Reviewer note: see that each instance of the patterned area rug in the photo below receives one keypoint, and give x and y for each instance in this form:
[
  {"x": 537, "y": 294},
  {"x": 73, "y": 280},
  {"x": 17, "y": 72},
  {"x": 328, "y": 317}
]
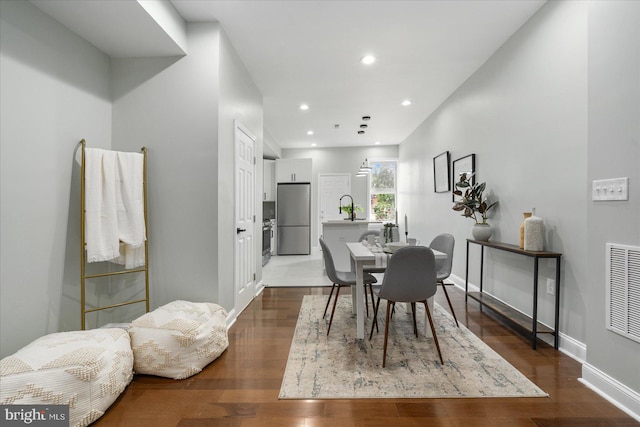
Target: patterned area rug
[{"x": 342, "y": 367}]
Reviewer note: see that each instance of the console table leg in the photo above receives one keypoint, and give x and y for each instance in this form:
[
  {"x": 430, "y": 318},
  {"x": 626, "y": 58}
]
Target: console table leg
[
  {"x": 557, "y": 324},
  {"x": 466, "y": 276},
  {"x": 535, "y": 303}
]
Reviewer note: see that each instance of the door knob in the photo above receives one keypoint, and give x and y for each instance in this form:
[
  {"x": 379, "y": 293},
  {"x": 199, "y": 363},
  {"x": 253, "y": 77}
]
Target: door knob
[{"x": 240, "y": 230}]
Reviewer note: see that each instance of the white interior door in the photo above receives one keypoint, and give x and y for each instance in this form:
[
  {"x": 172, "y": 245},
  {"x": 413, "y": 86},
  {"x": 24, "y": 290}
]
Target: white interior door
[
  {"x": 245, "y": 195},
  {"x": 331, "y": 188}
]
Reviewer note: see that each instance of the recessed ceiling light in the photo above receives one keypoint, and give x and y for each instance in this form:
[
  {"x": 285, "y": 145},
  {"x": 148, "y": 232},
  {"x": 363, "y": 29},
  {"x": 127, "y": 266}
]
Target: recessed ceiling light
[
  {"x": 309, "y": 132},
  {"x": 406, "y": 102},
  {"x": 364, "y": 126},
  {"x": 368, "y": 59},
  {"x": 304, "y": 107},
  {"x": 360, "y": 132},
  {"x": 365, "y": 118},
  {"x": 313, "y": 144},
  {"x": 377, "y": 142}
]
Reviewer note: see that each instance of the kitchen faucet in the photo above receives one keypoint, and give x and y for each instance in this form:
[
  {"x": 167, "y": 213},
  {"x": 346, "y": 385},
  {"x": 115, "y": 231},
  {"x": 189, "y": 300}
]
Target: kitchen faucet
[{"x": 353, "y": 211}]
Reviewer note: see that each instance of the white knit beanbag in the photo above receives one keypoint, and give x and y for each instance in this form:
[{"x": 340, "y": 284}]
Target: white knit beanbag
[
  {"x": 178, "y": 339},
  {"x": 86, "y": 370}
]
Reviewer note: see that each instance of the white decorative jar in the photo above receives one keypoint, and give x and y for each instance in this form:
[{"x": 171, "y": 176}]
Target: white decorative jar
[
  {"x": 481, "y": 232},
  {"x": 534, "y": 233}
]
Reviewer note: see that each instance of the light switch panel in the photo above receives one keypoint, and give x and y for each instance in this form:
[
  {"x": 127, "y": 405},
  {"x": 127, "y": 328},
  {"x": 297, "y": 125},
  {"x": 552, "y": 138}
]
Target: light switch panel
[{"x": 610, "y": 189}]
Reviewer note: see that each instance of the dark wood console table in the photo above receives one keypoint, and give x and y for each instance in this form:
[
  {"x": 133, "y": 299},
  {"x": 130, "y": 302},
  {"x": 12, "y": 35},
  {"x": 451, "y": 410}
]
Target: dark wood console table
[{"x": 527, "y": 323}]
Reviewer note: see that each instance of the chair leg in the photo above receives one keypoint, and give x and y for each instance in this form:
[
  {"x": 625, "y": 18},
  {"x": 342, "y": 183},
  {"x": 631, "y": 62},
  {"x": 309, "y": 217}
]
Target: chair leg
[
  {"x": 415, "y": 324},
  {"x": 433, "y": 330},
  {"x": 365, "y": 295},
  {"x": 366, "y": 299},
  {"x": 386, "y": 332},
  {"x": 328, "y": 300},
  {"x": 334, "y": 308},
  {"x": 446, "y": 294},
  {"x": 375, "y": 318}
]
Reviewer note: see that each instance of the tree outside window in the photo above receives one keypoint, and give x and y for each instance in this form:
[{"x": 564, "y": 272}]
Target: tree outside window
[{"x": 383, "y": 191}]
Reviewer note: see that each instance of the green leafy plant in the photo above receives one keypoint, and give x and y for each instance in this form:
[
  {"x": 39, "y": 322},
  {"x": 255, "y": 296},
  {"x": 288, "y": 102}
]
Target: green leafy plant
[
  {"x": 347, "y": 209},
  {"x": 472, "y": 203}
]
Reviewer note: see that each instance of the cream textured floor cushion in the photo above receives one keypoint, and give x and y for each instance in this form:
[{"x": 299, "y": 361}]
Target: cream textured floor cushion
[
  {"x": 178, "y": 339},
  {"x": 86, "y": 370}
]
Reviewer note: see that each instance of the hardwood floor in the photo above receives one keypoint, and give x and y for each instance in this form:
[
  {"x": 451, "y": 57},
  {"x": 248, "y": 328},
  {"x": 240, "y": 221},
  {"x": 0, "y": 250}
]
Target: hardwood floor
[{"x": 241, "y": 388}]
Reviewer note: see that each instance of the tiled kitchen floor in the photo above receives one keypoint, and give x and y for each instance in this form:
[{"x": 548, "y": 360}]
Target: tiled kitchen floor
[{"x": 295, "y": 270}]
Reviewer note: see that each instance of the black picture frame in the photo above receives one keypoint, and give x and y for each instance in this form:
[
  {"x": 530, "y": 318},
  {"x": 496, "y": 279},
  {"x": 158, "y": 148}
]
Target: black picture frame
[
  {"x": 463, "y": 164},
  {"x": 441, "y": 173}
]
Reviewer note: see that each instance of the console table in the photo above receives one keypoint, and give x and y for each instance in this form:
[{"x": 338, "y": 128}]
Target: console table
[{"x": 527, "y": 323}]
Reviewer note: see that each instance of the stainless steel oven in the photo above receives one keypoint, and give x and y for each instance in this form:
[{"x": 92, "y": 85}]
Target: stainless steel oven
[{"x": 267, "y": 234}]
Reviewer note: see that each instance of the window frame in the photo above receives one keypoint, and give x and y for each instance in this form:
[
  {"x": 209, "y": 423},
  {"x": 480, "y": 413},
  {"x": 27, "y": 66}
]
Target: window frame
[{"x": 370, "y": 192}]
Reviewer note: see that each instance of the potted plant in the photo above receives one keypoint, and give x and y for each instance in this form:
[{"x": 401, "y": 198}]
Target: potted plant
[
  {"x": 388, "y": 231},
  {"x": 474, "y": 205},
  {"x": 351, "y": 214}
]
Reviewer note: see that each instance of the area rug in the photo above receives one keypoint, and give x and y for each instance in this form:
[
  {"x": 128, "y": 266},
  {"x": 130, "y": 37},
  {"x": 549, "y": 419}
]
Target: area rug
[{"x": 342, "y": 367}]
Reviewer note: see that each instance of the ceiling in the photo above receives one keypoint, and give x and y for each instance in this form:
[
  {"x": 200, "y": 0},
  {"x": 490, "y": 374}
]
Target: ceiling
[{"x": 309, "y": 51}]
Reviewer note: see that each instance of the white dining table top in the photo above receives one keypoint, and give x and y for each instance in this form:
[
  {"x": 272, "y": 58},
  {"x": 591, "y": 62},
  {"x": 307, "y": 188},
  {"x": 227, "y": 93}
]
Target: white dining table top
[
  {"x": 361, "y": 252},
  {"x": 363, "y": 256}
]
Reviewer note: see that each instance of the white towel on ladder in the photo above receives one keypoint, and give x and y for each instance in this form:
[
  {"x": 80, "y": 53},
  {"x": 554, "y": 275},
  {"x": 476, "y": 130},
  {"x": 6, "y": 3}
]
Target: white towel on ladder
[
  {"x": 114, "y": 207},
  {"x": 130, "y": 201},
  {"x": 101, "y": 219}
]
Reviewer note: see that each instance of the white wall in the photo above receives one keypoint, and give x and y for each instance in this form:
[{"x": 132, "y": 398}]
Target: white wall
[
  {"x": 339, "y": 160},
  {"x": 613, "y": 151},
  {"x": 239, "y": 100},
  {"x": 524, "y": 115},
  {"x": 55, "y": 91},
  {"x": 170, "y": 105},
  {"x": 556, "y": 107}
]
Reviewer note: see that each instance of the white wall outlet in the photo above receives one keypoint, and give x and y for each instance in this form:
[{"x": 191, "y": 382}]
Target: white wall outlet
[
  {"x": 551, "y": 286},
  {"x": 610, "y": 189}
]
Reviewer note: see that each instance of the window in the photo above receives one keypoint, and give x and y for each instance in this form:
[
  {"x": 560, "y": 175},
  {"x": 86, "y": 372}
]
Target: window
[{"x": 382, "y": 188}]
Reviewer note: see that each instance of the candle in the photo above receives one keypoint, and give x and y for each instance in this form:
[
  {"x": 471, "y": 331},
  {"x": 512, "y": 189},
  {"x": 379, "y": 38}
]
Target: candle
[{"x": 406, "y": 227}]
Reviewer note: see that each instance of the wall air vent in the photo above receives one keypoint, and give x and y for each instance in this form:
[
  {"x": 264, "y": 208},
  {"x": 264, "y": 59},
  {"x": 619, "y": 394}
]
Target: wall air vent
[{"x": 623, "y": 290}]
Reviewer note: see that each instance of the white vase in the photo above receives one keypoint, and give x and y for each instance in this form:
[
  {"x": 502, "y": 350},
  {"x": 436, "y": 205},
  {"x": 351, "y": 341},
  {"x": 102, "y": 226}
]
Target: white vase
[
  {"x": 481, "y": 232},
  {"x": 533, "y": 233}
]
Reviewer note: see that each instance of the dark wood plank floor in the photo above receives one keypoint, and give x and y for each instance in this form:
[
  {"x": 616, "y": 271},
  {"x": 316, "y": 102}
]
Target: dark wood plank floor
[{"x": 241, "y": 388}]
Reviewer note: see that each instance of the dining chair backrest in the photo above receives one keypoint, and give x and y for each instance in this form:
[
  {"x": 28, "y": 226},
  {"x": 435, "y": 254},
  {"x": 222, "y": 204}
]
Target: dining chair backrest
[
  {"x": 410, "y": 275},
  {"x": 329, "y": 266},
  {"x": 444, "y": 243}
]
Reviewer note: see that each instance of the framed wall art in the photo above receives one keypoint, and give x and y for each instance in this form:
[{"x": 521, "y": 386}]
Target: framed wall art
[
  {"x": 466, "y": 164},
  {"x": 441, "y": 176}
]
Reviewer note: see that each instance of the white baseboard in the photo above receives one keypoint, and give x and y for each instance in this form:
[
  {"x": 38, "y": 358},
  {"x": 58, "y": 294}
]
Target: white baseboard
[
  {"x": 566, "y": 344},
  {"x": 572, "y": 347},
  {"x": 232, "y": 316},
  {"x": 611, "y": 389}
]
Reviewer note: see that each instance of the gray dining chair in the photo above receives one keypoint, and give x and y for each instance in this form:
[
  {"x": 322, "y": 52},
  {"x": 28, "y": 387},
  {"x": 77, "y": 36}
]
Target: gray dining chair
[
  {"x": 410, "y": 278},
  {"x": 341, "y": 279},
  {"x": 445, "y": 243}
]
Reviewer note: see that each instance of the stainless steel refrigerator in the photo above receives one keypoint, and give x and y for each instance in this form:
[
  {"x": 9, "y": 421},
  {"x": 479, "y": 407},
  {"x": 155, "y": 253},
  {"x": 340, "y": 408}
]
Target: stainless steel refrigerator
[{"x": 294, "y": 219}]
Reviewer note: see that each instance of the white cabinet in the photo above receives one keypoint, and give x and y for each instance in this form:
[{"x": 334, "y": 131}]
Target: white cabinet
[
  {"x": 293, "y": 170},
  {"x": 336, "y": 234},
  {"x": 269, "y": 181}
]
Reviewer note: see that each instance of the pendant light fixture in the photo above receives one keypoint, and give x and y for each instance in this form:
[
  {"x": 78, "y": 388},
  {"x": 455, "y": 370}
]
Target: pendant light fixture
[{"x": 364, "y": 168}]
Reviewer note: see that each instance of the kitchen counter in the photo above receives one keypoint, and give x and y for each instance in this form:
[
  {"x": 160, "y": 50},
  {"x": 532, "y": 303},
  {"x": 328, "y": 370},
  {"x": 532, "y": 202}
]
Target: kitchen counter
[
  {"x": 347, "y": 222},
  {"x": 337, "y": 233}
]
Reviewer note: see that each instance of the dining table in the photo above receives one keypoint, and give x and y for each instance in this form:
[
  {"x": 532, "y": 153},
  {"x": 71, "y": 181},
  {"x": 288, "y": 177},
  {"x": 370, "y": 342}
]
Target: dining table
[{"x": 363, "y": 255}]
